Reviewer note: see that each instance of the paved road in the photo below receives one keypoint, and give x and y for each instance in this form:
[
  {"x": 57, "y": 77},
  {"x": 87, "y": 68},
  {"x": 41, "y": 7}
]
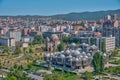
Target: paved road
[
  {"x": 35, "y": 76},
  {"x": 113, "y": 76}
]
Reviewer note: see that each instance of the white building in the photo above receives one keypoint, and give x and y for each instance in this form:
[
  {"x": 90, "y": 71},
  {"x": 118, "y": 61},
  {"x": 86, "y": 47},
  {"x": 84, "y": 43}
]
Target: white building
[
  {"x": 14, "y": 34},
  {"x": 109, "y": 42}
]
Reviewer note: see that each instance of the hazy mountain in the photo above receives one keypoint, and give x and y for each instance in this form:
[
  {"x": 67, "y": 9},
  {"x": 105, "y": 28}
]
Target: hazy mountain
[
  {"x": 75, "y": 15},
  {"x": 85, "y": 15}
]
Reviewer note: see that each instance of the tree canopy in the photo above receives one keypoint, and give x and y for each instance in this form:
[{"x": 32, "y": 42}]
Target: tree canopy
[
  {"x": 61, "y": 46},
  {"x": 70, "y": 40},
  {"x": 98, "y": 63},
  {"x": 38, "y": 39}
]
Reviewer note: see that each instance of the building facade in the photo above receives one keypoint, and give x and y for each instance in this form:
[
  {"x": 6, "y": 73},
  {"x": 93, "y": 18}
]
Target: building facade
[
  {"x": 109, "y": 42},
  {"x": 8, "y": 42},
  {"x": 14, "y": 34}
]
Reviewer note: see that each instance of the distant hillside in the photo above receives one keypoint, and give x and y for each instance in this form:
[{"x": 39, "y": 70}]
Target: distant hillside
[{"x": 85, "y": 15}]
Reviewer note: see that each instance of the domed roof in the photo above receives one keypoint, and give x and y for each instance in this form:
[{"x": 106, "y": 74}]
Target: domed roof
[
  {"x": 77, "y": 52},
  {"x": 83, "y": 52},
  {"x": 93, "y": 46},
  {"x": 73, "y": 44},
  {"x": 54, "y": 36},
  {"x": 81, "y": 56},
  {"x": 62, "y": 56},
  {"x": 88, "y": 54},
  {"x": 84, "y": 44},
  {"x": 70, "y": 56},
  {"x": 67, "y": 51},
  {"x": 84, "y": 59},
  {"x": 77, "y": 59},
  {"x": 79, "y": 49}
]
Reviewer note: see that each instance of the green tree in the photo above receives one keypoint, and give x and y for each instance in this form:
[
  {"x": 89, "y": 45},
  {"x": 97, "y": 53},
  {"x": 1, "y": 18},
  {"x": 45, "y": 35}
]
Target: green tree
[
  {"x": 0, "y": 65},
  {"x": 98, "y": 63},
  {"x": 87, "y": 76},
  {"x": 61, "y": 46},
  {"x": 12, "y": 78},
  {"x": 30, "y": 43},
  {"x": 103, "y": 47},
  {"x": 20, "y": 67},
  {"x": 17, "y": 51},
  {"x": 30, "y": 50},
  {"x": 70, "y": 40},
  {"x": 5, "y": 49},
  {"x": 75, "y": 40},
  {"x": 24, "y": 50},
  {"x": 38, "y": 39},
  {"x": 92, "y": 41},
  {"x": 15, "y": 66}
]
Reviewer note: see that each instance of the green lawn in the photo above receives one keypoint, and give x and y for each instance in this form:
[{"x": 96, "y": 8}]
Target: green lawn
[
  {"x": 117, "y": 62},
  {"x": 66, "y": 75},
  {"x": 113, "y": 70},
  {"x": 34, "y": 68}
]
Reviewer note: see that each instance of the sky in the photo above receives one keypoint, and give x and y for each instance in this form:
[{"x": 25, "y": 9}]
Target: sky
[{"x": 52, "y": 7}]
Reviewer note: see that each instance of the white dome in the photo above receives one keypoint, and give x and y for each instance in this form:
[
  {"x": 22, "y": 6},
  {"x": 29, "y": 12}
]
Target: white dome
[
  {"x": 70, "y": 56},
  {"x": 81, "y": 56},
  {"x": 77, "y": 52},
  {"x": 83, "y": 43},
  {"x": 62, "y": 56},
  {"x": 54, "y": 36},
  {"x": 93, "y": 46},
  {"x": 77, "y": 59},
  {"x": 83, "y": 53},
  {"x": 73, "y": 44},
  {"x": 88, "y": 54},
  {"x": 67, "y": 51},
  {"x": 84, "y": 59},
  {"x": 79, "y": 49}
]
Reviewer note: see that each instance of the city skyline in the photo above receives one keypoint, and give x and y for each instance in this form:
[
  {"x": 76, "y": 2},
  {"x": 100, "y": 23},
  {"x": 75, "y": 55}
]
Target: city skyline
[{"x": 52, "y": 7}]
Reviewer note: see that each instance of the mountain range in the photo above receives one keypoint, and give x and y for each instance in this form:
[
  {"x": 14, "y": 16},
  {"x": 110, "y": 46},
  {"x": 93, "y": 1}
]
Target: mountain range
[
  {"x": 77, "y": 15},
  {"x": 85, "y": 15}
]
